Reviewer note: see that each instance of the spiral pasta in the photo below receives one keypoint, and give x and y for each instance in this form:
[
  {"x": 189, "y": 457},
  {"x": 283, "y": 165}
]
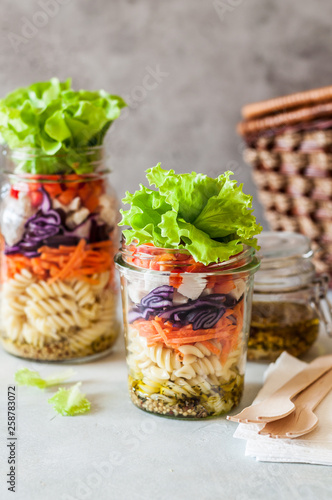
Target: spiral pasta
[
  {"x": 170, "y": 377},
  {"x": 13, "y": 303},
  {"x": 43, "y": 290},
  {"x": 83, "y": 293},
  {"x": 39, "y": 313},
  {"x": 157, "y": 355},
  {"x": 196, "y": 359},
  {"x": 58, "y": 286},
  {"x": 19, "y": 282}
]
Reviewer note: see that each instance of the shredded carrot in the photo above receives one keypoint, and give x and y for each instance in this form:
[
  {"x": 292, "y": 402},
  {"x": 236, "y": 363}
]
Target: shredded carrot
[
  {"x": 81, "y": 262},
  {"x": 56, "y": 251},
  {"x": 226, "y": 349},
  {"x": 160, "y": 330},
  {"x": 225, "y": 331},
  {"x": 211, "y": 347},
  {"x": 74, "y": 262},
  {"x": 230, "y": 343},
  {"x": 13, "y": 264}
]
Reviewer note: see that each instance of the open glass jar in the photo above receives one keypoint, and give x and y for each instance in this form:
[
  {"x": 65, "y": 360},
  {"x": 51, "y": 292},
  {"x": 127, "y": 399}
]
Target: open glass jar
[
  {"x": 290, "y": 300},
  {"x": 58, "y": 294},
  {"x": 186, "y": 328}
]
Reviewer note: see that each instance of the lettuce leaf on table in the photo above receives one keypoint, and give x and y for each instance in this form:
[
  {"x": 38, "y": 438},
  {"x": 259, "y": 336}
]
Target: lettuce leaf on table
[
  {"x": 210, "y": 218},
  {"x": 65, "y": 401},
  {"x": 54, "y": 118},
  {"x": 24, "y": 376},
  {"x": 70, "y": 402}
]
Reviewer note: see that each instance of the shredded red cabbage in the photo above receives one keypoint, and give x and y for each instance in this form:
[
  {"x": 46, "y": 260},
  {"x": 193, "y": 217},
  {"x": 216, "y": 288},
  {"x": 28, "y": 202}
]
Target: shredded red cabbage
[
  {"x": 47, "y": 227},
  {"x": 202, "y": 313}
]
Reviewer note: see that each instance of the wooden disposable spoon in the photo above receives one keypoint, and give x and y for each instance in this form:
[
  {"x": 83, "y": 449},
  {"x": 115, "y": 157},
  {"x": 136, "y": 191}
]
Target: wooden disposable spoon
[
  {"x": 279, "y": 404},
  {"x": 302, "y": 420}
]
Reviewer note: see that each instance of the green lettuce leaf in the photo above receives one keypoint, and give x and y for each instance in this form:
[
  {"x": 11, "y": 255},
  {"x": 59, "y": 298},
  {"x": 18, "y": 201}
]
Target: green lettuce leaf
[
  {"x": 24, "y": 376},
  {"x": 186, "y": 193},
  {"x": 144, "y": 216},
  {"x": 210, "y": 218},
  {"x": 52, "y": 117},
  {"x": 227, "y": 213},
  {"x": 70, "y": 401}
]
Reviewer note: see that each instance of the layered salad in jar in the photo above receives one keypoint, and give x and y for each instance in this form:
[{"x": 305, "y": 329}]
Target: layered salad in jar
[
  {"x": 58, "y": 223},
  {"x": 186, "y": 266}
]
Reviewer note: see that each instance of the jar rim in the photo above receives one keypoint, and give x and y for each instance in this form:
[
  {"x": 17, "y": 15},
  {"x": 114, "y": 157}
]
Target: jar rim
[
  {"x": 286, "y": 262},
  {"x": 246, "y": 261},
  {"x": 26, "y": 163},
  {"x": 39, "y": 152},
  {"x": 27, "y": 178},
  {"x": 277, "y": 246}
]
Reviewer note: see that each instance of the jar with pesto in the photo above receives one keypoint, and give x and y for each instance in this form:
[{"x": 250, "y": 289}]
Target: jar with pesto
[
  {"x": 187, "y": 282},
  {"x": 290, "y": 300}
]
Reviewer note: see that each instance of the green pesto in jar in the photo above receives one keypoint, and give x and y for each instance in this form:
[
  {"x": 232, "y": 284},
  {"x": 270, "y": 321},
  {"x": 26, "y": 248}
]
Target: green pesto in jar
[{"x": 197, "y": 405}]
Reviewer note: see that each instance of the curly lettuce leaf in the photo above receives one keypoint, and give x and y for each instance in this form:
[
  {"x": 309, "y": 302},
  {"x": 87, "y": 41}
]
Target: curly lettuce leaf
[
  {"x": 144, "y": 216},
  {"x": 52, "y": 117},
  {"x": 210, "y": 218},
  {"x": 227, "y": 213},
  {"x": 186, "y": 193},
  {"x": 24, "y": 376},
  {"x": 70, "y": 401},
  {"x": 199, "y": 244}
]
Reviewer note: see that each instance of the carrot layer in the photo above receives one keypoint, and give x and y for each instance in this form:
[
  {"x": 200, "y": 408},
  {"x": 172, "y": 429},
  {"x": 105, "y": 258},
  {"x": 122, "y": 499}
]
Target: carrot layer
[
  {"x": 226, "y": 331},
  {"x": 80, "y": 261},
  {"x": 74, "y": 262}
]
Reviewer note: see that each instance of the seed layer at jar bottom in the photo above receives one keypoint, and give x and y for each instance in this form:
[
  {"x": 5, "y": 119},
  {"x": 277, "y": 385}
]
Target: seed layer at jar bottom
[
  {"x": 186, "y": 344},
  {"x": 281, "y": 326},
  {"x": 58, "y": 298},
  {"x": 191, "y": 402}
]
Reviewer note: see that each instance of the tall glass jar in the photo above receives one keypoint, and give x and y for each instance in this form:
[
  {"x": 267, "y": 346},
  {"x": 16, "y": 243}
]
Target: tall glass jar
[
  {"x": 290, "y": 301},
  {"x": 58, "y": 290},
  {"x": 186, "y": 328}
]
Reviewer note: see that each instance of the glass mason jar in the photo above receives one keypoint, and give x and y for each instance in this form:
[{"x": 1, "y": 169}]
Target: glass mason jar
[
  {"x": 186, "y": 327},
  {"x": 58, "y": 289},
  {"x": 290, "y": 300}
]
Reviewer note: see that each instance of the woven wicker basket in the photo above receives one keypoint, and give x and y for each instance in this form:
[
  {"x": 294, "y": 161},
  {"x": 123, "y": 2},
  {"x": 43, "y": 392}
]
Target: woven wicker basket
[
  {"x": 289, "y": 145},
  {"x": 293, "y": 174}
]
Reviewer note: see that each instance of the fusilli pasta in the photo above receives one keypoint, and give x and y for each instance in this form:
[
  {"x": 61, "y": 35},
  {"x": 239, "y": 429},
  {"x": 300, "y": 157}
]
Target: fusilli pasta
[
  {"x": 169, "y": 376},
  {"x": 72, "y": 311}
]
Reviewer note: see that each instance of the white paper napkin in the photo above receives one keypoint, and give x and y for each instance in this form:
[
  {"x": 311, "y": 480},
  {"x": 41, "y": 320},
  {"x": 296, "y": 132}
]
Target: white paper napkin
[{"x": 313, "y": 448}]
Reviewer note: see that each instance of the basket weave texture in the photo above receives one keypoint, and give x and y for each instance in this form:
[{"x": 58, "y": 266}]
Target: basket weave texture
[{"x": 292, "y": 169}]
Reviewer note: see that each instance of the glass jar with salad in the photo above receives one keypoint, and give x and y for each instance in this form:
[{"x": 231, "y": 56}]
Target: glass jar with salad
[
  {"x": 186, "y": 266},
  {"x": 58, "y": 224}
]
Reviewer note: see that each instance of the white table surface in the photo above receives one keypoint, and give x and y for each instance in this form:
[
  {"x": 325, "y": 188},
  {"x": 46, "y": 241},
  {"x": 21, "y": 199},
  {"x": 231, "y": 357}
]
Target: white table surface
[{"x": 120, "y": 452}]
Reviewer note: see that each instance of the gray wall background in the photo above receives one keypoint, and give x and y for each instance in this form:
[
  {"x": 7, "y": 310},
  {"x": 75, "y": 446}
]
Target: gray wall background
[{"x": 214, "y": 57}]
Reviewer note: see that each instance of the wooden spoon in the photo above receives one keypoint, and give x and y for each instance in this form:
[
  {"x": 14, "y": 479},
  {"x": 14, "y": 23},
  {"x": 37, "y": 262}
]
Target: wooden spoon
[
  {"x": 302, "y": 420},
  {"x": 279, "y": 404}
]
